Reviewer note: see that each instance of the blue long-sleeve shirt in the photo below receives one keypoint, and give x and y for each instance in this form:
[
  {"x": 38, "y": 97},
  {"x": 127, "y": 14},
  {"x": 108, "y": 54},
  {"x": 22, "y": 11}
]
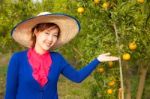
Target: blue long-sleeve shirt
[{"x": 20, "y": 83}]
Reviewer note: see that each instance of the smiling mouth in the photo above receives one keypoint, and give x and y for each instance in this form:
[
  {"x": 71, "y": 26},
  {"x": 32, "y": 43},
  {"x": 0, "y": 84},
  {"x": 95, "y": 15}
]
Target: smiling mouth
[{"x": 48, "y": 44}]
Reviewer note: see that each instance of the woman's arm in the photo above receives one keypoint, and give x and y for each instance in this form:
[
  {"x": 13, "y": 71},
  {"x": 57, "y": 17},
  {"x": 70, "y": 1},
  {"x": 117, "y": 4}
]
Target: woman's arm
[
  {"x": 78, "y": 76},
  {"x": 12, "y": 78}
]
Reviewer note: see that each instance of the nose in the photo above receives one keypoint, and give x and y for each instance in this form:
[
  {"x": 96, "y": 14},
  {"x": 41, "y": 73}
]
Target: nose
[{"x": 50, "y": 38}]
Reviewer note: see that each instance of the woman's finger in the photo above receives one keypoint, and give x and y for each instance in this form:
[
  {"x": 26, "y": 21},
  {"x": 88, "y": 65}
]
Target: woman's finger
[
  {"x": 106, "y": 54},
  {"x": 112, "y": 58}
]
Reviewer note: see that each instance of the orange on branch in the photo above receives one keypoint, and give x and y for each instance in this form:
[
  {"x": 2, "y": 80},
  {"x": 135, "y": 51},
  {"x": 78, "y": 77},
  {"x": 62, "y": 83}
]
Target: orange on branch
[
  {"x": 96, "y": 1},
  {"x": 109, "y": 91},
  {"x": 105, "y": 5},
  {"x": 110, "y": 64},
  {"x": 132, "y": 46},
  {"x": 101, "y": 70},
  {"x": 140, "y": 1},
  {"x": 111, "y": 83},
  {"x": 80, "y": 10},
  {"x": 126, "y": 56}
]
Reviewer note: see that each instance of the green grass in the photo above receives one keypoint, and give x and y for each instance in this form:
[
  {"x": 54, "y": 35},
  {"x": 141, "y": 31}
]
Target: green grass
[
  {"x": 70, "y": 90},
  {"x": 3, "y": 70}
]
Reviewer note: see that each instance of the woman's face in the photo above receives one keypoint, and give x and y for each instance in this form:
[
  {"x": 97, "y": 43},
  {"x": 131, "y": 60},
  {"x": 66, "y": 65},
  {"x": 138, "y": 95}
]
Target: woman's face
[{"x": 46, "y": 39}]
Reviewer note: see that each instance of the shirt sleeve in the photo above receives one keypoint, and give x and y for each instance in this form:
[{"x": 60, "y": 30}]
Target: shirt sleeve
[
  {"x": 78, "y": 75},
  {"x": 12, "y": 78}
]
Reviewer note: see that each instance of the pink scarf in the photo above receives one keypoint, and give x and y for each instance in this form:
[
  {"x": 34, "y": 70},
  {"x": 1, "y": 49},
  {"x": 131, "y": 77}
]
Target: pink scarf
[{"x": 40, "y": 65}]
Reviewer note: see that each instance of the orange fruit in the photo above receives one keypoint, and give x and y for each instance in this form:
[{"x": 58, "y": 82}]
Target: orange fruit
[
  {"x": 80, "y": 10},
  {"x": 109, "y": 91},
  {"x": 126, "y": 56},
  {"x": 132, "y": 46},
  {"x": 96, "y": 1},
  {"x": 140, "y": 1},
  {"x": 101, "y": 70},
  {"x": 110, "y": 64},
  {"x": 111, "y": 83},
  {"x": 105, "y": 5}
]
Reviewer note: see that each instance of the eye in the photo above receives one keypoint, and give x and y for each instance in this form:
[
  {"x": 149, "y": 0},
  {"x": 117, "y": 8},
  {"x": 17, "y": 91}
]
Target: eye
[
  {"x": 46, "y": 33},
  {"x": 55, "y": 35}
]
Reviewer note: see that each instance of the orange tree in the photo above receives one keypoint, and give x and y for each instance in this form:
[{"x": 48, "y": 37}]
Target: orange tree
[
  {"x": 94, "y": 39},
  {"x": 119, "y": 27},
  {"x": 109, "y": 26},
  {"x": 133, "y": 28}
]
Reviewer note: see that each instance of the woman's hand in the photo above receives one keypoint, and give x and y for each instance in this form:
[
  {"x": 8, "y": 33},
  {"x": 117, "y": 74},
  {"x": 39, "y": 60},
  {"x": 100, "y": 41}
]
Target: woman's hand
[{"x": 105, "y": 57}]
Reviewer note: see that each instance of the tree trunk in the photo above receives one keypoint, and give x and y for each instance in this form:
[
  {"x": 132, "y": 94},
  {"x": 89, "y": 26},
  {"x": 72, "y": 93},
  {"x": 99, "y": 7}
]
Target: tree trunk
[
  {"x": 143, "y": 73},
  {"x": 127, "y": 76},
  {"x": 128, "y": 88}
]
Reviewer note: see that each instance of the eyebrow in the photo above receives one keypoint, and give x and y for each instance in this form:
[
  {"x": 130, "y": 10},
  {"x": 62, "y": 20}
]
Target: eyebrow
[
  {"x": 56, "y": 33},
  {"x": 53, "y": 32}
]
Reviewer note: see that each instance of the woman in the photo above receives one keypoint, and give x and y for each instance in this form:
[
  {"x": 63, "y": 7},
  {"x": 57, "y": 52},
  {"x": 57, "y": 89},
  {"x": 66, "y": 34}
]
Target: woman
[{"x": 34, "y": 73}]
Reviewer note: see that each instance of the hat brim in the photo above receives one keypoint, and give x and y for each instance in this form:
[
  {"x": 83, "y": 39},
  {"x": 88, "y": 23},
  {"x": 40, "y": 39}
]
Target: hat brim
[{"x": 69, "y": 27}]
